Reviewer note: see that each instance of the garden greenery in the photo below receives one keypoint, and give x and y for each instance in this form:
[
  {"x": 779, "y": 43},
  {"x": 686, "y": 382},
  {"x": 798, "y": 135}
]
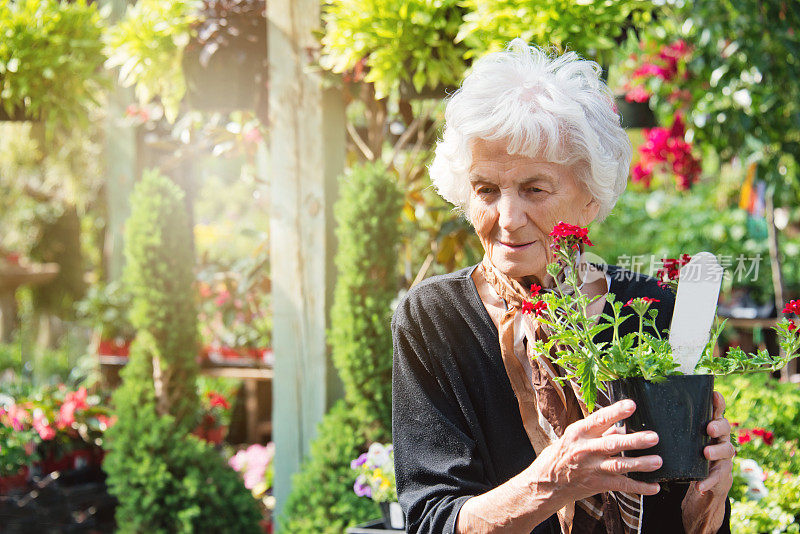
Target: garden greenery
[
  {"x": 367, "y": 215},
  {"x": 147, "y": 45},
  {"x": 51, "y": 54},
  {"x": 592, "y": 29},
  {"x": 401, "y": 43},
  {"x": 159, "y": 275},
  {"x": 165, "y": 479}
]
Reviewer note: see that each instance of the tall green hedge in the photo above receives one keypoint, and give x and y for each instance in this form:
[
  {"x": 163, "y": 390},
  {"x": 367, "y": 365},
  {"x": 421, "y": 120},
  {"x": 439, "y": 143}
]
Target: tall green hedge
[
  {"x": 367, "y": 216},
  {"x": 165, "y": 479},
  {"x": 159, "y": 271}
]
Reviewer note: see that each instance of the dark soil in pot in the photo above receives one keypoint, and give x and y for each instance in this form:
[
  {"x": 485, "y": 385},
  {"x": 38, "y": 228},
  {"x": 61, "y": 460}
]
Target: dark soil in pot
[{"x": 678, "y": 410}]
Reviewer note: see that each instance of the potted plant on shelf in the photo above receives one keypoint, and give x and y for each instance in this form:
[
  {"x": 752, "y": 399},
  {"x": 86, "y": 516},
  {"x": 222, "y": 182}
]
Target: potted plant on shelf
[
  {"x": 105, "y": 308},
  {"x": 670, "y": 378},
  {"x": 376, "y": 480},
  {"x": 51, "y": 60}
]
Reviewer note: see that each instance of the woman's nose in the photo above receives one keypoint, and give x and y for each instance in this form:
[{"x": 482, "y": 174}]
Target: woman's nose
[{"x": 511, "y": 213}]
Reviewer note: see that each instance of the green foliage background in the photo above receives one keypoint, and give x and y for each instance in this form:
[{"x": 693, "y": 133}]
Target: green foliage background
[
  {"x": 367, "y": 216},
  {"x": 51, "y": 56}
]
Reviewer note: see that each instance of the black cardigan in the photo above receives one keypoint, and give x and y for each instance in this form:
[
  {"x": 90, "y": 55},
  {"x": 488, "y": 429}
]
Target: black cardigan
[{"x": 456, "y": 425}]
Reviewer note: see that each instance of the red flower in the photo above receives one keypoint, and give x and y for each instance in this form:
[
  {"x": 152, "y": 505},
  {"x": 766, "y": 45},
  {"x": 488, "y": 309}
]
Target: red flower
[
  {"x": 216, "y": 399},
  {"x": 648, "y": 300},
  {"x": 527, "y": 306},
  {"x": 743, "y": 437},
  {"x": 535, "y": 288},
  {"x": 792, "y": 326},
  {"x": 539, "y": 307},
  {"x": 792, "y": 307},
  {"x": 768, "y": 437},
  {"x": 565, "y": 232}
]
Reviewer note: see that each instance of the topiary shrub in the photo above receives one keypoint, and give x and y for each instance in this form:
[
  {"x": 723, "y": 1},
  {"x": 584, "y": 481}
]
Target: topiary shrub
[
  {"x": 165, "y": 479},
  {"x": 368, "y": 233},
  {"x": 159, "y": 273},
  {"x": 367, "y": 215}
]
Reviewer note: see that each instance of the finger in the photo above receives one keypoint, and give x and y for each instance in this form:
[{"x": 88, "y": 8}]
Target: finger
[
  {"x": 619, "y": 465},
  {"x": 719, "y": 405},
  {"x": 721, "y": 451},
  {"x": 721, "y": 471},
  {"x": 718, "y": 428},
  {"x": 615, "y": 430},
  {"x": 598, "y": 422},
  {"x": 628, "y": 485},
  {"x": 615, "y": 444}
]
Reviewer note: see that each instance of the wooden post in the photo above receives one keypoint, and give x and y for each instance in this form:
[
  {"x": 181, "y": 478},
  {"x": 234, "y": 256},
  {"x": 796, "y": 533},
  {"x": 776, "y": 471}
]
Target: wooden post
[
  {"x": 306, "y": 155},
  {"x": 121, "y": 166}
]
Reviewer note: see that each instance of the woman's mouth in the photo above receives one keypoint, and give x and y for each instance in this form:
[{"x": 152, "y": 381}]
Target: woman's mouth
[{"x": 516, "y": 245}]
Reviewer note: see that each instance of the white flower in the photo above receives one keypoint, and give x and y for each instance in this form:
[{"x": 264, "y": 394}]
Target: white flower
[{"x": 377, "y": 455}]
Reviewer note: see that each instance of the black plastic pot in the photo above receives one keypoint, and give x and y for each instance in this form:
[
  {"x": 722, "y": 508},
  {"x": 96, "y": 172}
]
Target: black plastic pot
[
  {"x": 393, "y": 518},
  {"x": 678, "y": 410},
  {"x": 635, "y": 114}
]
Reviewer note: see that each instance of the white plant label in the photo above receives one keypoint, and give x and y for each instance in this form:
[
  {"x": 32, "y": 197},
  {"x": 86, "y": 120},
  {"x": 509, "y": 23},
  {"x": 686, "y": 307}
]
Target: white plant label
[{"x": 695, "y": 309}]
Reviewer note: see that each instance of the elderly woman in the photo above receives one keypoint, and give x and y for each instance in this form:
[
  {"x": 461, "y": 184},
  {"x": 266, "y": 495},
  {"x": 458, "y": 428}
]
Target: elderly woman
[{"x": 530, "y": 140}]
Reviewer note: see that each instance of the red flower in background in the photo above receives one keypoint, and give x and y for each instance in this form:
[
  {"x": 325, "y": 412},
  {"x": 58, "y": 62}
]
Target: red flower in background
[
  {"x": 215, "y": 399},
  {"x": 667, "y": 148},
  {"x": 743, "y": 437},
  {"x": 535, "y": 288}
]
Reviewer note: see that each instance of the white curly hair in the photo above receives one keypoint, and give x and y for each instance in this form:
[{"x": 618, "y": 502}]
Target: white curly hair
[{"x": 544, "y": 105}]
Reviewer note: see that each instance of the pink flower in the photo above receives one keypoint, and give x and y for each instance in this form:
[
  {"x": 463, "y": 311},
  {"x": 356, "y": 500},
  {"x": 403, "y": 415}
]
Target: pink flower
[{"x": 637, "y": 94}]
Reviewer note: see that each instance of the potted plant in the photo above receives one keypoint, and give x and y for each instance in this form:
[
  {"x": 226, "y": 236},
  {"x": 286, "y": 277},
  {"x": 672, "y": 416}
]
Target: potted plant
[
  {"x": 50, "y": 61},
  {"x": 225, "y": 63},
  {"x": 213, "y": 50},
  {"x": 376, "y": 480},
  {"x": 641, "y": 364},
  {"x": 105, "y": 308}
]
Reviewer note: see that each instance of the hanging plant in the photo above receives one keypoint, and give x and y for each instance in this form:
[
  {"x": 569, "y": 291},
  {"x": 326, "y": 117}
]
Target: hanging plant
[
  {"x": 226, "y": 61},
  {"x": 214, "y": 51},
  {"x": 51, "y": 54}
]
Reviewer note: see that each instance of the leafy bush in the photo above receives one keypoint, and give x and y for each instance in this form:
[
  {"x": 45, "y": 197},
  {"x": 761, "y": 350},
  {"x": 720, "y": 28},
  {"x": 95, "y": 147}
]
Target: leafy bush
[
  {"x": 367, "y": 213},
  {"x": 766, "y": 488},
  {"x": 322, "y": 498},
  {"x": 50, "y": 59},
  {"x": 165, "y": 479},
  {"x": 367, "y": 218},
  {"x": 589, "y": 28},
  {"x": 398, "y": 42}
]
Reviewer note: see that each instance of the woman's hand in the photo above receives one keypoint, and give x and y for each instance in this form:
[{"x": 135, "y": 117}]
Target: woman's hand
[
  {"x": 703, "y": 508},
  {"x": 585, "y": 460}
]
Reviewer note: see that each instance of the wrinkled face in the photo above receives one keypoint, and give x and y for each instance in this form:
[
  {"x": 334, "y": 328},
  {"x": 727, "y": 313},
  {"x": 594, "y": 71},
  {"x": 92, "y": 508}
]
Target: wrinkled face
[{"x": 515, "y": 201}]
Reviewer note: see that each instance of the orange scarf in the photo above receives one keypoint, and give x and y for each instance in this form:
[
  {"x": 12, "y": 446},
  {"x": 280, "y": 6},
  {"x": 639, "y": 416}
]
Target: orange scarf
[{"x": 547, "y": 408}]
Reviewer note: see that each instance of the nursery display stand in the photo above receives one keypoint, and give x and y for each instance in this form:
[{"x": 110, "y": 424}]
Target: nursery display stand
[{"x": 12, "y": 277}]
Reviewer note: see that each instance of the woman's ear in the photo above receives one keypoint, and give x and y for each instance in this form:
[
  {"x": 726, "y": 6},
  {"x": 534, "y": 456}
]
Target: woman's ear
[{"x": 589, "y": 211}]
